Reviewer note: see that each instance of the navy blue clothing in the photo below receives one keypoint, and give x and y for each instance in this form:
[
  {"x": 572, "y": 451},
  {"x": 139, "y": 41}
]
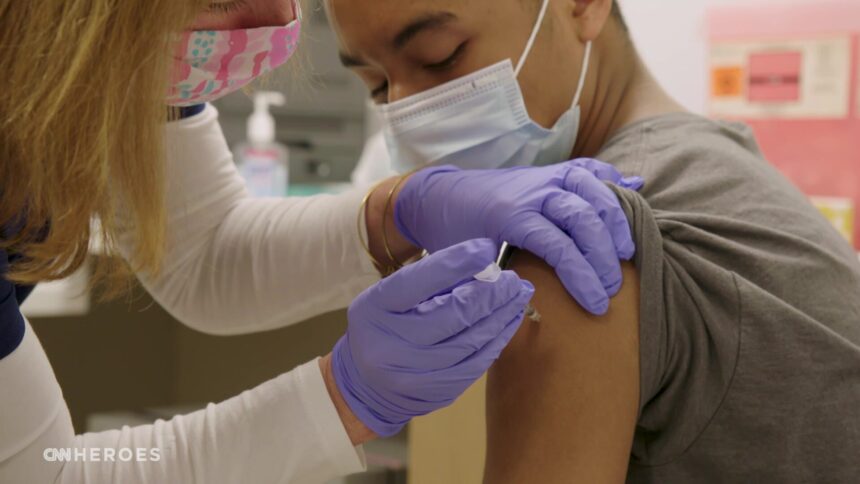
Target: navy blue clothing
[
  {"x": 193, "y": 110},
  {"x": 11, "y": 297}
]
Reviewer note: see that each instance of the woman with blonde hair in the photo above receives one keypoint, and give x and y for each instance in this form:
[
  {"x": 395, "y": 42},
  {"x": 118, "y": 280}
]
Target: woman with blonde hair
[{"x": 84, "y": 136}]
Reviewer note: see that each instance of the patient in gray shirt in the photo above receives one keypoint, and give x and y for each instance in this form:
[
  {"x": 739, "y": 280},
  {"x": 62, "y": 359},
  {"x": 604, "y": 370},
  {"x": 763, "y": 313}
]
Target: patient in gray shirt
[{"x": 749, "y": 314}]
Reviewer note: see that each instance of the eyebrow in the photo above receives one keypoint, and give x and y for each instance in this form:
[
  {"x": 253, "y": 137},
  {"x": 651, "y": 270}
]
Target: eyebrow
[
  {"x": 420, "y": 24},
  {"x": 406, "y": 34}
]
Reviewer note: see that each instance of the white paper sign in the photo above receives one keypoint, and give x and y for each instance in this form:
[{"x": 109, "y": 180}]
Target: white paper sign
[{"x": 781, "y": 79}]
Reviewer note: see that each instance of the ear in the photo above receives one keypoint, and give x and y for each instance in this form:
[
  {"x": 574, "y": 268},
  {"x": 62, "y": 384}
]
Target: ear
[{"x": 591, "y": 16}]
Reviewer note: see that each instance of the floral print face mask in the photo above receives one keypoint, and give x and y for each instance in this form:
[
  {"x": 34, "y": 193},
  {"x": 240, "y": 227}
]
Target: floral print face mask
[{"x": 209, "y": 64}]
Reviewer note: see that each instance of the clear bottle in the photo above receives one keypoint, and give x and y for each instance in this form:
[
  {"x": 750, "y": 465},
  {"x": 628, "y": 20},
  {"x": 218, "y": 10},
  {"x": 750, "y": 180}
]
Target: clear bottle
[{"x": 262, "y": 161}]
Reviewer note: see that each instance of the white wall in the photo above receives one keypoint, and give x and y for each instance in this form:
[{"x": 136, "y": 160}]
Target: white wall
[{"x": 671, "y": 38}]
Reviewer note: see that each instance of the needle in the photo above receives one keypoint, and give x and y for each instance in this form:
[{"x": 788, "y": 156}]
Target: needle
[
  {"x": 532, "y": 313},
  {"x": 505, "y": 253}
]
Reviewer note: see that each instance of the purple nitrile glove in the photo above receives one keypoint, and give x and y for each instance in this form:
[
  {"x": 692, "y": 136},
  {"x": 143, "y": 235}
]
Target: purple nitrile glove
[
  {"x": 419, "y": 338},
  {"x": 562, "y": 213}
]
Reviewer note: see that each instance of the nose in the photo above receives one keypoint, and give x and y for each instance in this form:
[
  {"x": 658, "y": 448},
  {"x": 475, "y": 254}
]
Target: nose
[
  {"x": 281, "y": 12},
  {"x": 396, "y": 92},
  {"x": 400, "y": 89},
  {"x": 269, "y": 13}
]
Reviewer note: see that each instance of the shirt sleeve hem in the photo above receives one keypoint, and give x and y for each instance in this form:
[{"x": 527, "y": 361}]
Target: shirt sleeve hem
[{"x": 340, "y": 453}]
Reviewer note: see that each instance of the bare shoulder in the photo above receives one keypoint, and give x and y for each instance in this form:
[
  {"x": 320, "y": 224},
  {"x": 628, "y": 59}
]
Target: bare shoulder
[{"x": 562, "y": 401}]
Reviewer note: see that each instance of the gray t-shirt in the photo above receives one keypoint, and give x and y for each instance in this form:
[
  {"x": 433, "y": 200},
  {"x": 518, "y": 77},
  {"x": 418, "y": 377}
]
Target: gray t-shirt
[{"x": 749, "y": 316}]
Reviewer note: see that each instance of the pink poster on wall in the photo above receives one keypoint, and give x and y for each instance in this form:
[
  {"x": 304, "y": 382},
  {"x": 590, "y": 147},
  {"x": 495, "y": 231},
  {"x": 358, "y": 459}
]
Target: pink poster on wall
[{"x": 792, "y": 72}]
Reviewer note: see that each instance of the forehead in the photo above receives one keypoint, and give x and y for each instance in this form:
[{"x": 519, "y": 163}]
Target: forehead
[
  {"x": 360, "y": 11},
  {"x": 361, "y": 24}
]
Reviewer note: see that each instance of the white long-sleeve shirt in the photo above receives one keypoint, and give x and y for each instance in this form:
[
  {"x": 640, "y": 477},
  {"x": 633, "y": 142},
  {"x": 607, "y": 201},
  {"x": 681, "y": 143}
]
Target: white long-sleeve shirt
[
  {"x": 238, "y": 264},
  {"x": 233, "y": 265},
  {"x": 285, "y": 430}
]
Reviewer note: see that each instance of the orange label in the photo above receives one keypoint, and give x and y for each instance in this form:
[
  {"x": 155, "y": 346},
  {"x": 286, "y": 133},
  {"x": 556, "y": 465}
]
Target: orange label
[{"x": 727, "y": 82}]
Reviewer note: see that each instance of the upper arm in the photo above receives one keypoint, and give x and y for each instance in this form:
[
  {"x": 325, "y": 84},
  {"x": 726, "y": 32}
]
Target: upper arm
[{"x": 563, "y": 399}]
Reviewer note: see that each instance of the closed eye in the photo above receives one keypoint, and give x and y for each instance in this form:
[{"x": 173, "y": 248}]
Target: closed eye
[
  {"x": 450, "y": 61},
  {"x": 382, "y": 90}
]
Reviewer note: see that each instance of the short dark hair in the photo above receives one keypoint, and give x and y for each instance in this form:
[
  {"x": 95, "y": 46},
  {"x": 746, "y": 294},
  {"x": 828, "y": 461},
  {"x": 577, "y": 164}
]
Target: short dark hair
[{"x": 616, "y": 12}]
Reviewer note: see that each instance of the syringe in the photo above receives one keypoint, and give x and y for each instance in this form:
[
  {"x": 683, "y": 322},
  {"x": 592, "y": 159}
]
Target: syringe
[{"x": 505, "y": 253}]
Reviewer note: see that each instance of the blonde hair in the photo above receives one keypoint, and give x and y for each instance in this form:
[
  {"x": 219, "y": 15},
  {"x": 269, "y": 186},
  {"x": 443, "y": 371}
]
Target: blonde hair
[{"x": 82, "y": 88}]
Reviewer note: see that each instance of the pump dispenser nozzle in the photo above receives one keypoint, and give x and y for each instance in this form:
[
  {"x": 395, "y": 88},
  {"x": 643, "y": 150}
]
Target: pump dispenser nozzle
[
  {"x": 261, "y": 124},
  {"x": 262, "y": 161}
]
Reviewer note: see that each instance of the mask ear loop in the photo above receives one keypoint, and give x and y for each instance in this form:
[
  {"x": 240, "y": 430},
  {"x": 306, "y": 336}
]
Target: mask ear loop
[
  {"x": 585, "y": 61},
  {"x": 584, "y": 69},
  {"x": 532, "y": 38}
]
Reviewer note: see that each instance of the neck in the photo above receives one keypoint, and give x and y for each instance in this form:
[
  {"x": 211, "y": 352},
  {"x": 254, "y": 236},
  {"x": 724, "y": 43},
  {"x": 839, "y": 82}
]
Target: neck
[{"x": 619, "y": 91}]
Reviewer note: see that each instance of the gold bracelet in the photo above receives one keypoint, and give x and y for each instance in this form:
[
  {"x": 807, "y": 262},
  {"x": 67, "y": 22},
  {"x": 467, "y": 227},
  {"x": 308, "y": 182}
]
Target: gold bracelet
[
  {"x": 397, "y": 263},
  {"x": 361, "y": 216}
]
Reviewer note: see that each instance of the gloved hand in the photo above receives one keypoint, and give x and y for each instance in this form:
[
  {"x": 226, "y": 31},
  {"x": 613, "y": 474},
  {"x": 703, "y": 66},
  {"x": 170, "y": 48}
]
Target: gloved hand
[
  {"x": 562, "y": 213},
  {"x": 419, "y": 338}
]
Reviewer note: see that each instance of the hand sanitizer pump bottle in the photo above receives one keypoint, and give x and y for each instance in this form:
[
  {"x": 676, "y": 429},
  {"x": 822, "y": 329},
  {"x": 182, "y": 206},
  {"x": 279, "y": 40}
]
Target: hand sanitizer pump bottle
[{"x": 262, "y": 161}]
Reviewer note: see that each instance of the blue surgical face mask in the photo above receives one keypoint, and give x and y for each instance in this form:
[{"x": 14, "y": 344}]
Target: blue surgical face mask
[{"x": 479, "y": 121}]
